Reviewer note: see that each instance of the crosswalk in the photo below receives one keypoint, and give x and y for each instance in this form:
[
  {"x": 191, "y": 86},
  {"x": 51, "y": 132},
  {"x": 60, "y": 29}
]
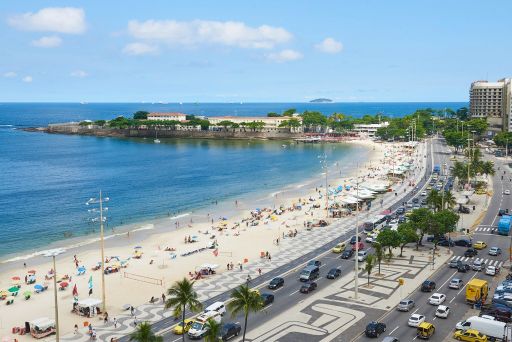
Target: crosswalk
[
  {"x": 484, "y": 229},
  {"x": 487, "y": 262}
]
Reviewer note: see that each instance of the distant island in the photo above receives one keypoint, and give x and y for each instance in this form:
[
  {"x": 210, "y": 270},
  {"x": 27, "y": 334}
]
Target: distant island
[{"x": 321, "y": 100}]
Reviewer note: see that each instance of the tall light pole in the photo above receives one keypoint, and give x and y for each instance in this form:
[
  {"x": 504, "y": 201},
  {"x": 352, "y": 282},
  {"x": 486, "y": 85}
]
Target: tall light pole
[
  {"x": 323, "y": 162},
  {"x": 356, "y": 273},
  {"x": 53, "y": 254},
  {"x": 100, "y": 201}
]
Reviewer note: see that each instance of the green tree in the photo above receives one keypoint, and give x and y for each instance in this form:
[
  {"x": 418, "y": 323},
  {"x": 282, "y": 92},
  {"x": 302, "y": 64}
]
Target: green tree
[
  {"x": 292, "y": 123},
  {"x": 140, "y": 115},
  {"x": 368, "y": 266},
  {"x": 420, "y": 219},
  {"x": 503, "y": 139},
  {"x": 273, "y": 115},
  {"x": 313, "y": 119},
  {"x": 379, "y": 254},
  {"x": 213, "y": 330},
  {"x": 85, "y": 123},
  {"x": 245, "y": 300},
  {"x": 434, "y": 199},
  {"x": 144, "y": 333},
  {"x": 462, "y": 113},
  {"x": 289, "y": 112},
  {"x": 182, "y": 295},
  {"x": 100, "y": 123},
  {"x": 226, "y": 124},
  {"x": 407, "y": 233},
  {"x": 389, "y": 239},
  {"x": 449, "y": 200}
]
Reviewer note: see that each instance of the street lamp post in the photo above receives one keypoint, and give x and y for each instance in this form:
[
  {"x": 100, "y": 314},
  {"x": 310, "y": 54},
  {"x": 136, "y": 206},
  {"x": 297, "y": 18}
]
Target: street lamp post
[
  {"x": 356, "y": 273},
  {"x": 100, "y": 201},
  {"x": 323, "y": 161},
  {"x": 53, "y": 254}
]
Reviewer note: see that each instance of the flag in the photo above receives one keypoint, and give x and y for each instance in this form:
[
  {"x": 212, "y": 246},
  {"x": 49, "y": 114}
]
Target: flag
[
  {"x": 75, "y": 291},
  {"x": 216, "y": 252}
]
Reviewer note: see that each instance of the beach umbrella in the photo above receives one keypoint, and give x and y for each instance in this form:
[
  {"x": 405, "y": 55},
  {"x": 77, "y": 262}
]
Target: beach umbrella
[
  {"x": 64, "y": 284},
  {"x": 38, "y": 287},
  {"x": 81, "y": 269},
  {"x": 31, "y": 272},
  {"x": 137, "y": 247},
  {"x": 14, "y": 289},
  {"x": 15, "y": 278},
  {"x": 27, "y": 293},
  {"x": 4, "y": 293}
]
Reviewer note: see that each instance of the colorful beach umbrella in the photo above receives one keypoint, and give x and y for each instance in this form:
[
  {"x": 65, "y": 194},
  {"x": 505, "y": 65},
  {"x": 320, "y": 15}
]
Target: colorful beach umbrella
[
  {"x": 14, "y": 289},
  {"x": 31, "y": 272},
  {"x": 75, "y": 291},
  {"x": 81, "y": 269},
  {"x": 64, "y": 284},
  {"x": 38, "y": 287},
  {"x": 15, "y": 278},
  {"x": 27, "y": 293},
  {"x": 4, "y": 293}
]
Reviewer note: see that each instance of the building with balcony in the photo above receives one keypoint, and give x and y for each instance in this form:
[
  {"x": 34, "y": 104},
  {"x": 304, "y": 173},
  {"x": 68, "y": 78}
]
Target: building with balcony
[
  {"x": 167, "y": 116},
  {"x": 492, "y": 101}
]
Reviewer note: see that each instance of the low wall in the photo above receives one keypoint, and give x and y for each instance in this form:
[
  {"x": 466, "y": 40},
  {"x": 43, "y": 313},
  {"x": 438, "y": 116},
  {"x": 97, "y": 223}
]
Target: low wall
[{"x": 168, "y": 133}]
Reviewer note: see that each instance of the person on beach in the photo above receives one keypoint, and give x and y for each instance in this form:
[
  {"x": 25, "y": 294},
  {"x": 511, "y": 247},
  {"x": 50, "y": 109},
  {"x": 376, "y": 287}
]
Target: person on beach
[
  {"x": 259, "y": 271},
  {"x": 269, "y": 258},
  {"x": 76, "y": 329},
  {"x": 115, "y": 323},
  {"x": 163, "y": 298}
]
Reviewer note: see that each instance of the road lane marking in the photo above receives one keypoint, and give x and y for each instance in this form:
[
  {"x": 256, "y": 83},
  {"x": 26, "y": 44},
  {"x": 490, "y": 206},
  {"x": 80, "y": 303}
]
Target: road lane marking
[
  {"x": 452, "y": 299},
  {"x": 294, "y": 292},
  {"x": 416, "y": 310},
  {"x": 392, "y": 331},
  {"x": 447, "y": 280}
]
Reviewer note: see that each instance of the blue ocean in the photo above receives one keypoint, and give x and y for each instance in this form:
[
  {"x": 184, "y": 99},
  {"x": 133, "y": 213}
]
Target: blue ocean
[{"x": 46, "y": 179}]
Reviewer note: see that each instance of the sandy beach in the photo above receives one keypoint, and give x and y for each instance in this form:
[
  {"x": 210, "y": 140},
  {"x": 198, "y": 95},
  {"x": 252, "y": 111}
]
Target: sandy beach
[{"x": 163, "y": 251}]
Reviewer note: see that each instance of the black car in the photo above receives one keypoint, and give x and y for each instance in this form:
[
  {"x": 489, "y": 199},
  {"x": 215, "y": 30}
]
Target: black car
[
  {"x": 470, "y": 252},
  {"x": 347, "y": 254},
  {"x": 464, "y": 210},
  {"x": 367, "y": 226},
  {"x": 353, "y": 240},
  {"x": 374, "y": 329},
  {"x": 402, "y": 219},
  {"x": 308, "y": 287},
  {"x": 316, "y": 263},
  {"x": 463, "y": 267},
  {"x": 502, "y": 212},
  {"x": 424, "y": 202},
  {"x": 446, "y": 243},
  {"x": 433, "y": 238},
  {"x": 428, "y": 286},
  {"x": 230, "y": 330},
  {"x": 333, "y": 273},
  {"x": 400, "y": 211},
  {"x": 276, "y": 283},
  {"x": 415, "y": 200},
  {"x": 267, "y": 298},
  {"x": 462, "y": 243}
]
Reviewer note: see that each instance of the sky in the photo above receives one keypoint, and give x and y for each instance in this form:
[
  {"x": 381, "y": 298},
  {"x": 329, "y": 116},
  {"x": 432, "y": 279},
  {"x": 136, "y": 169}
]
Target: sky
[{"x": 250, "y": 51}]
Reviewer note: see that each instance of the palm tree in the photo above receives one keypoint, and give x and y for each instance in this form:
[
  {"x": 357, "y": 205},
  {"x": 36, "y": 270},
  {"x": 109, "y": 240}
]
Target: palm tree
[
  {"x": 145, "y": 334},
  {"x": 182, "y": 295},
  {"x": 460, "y": 171},
  {"x": 368, "y": 267},
  {"x": 449, "y": 200},
  {"x": 379, "y": 253},
  {"x": 434, "y": 199},
  {"x": 213, "y": 330},
  {"x": 487, "y": 168},
  {"x": 245, "y": 300}
]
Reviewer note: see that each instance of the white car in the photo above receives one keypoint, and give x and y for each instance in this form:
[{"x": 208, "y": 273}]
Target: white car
[
  {"x": 416, "y": 320},
  {"x": 437, "y": 299},
  {"x": 423, "y": 193},
  {"x": 369, "y": 239},
  {"x": 442, "y": 311},
  {"x": 506, "y": 192},
  {"x": 491, "y": 270}
]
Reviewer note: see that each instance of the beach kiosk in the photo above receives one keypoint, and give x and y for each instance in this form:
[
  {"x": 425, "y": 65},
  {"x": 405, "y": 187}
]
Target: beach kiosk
[
  {"x": 41, "y": 327},
  {"x": 88, "y": 307}
]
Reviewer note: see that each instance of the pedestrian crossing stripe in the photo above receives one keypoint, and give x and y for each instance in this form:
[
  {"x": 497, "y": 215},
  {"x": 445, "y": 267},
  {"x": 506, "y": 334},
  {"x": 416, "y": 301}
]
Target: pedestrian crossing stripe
[
  {"x": 484, "y": 229},
  {"x": 487, "y": 262}
]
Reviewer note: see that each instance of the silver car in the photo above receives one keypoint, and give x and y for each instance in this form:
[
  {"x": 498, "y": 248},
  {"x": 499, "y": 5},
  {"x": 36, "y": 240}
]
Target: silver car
[
  {"x": 478, "y": 265},
  {"x": 405, "y": 305}
]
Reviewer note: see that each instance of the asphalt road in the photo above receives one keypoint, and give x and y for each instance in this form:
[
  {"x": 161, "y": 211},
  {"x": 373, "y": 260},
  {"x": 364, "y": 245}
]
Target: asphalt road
[
  {"x": 289, "y": 295},
  {"x": 397, "y": 321}
]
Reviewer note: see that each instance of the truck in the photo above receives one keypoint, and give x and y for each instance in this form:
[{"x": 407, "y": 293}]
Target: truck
[
  {"x": 495, "y": 330},
  {"x": 477, "y": 291},
  {"x": 437, "y": 169},
  {"x": 504, "y": 225}
]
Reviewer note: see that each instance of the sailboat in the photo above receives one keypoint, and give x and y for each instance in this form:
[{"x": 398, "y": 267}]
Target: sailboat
[{"x": 156, "y": 141}]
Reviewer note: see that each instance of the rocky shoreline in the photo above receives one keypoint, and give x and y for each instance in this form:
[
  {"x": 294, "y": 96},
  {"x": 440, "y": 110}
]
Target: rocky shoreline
[{"x": 165, "y": 132}]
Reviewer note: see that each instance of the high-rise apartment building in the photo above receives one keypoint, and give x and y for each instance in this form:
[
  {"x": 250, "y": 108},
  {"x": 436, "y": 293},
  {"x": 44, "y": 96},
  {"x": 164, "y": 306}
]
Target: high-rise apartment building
[{"x": 492, "y": 100}]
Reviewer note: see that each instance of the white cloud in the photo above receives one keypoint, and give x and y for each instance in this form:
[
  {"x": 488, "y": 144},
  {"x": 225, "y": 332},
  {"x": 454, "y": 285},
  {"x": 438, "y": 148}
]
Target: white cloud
[
  {"x": 47, "y": 42},
  {"x": 78, "y": 73},
  {"x": 10, "y": 74},
  {"x": 197, "y": 32},
  {"x": 140, "y": 49},
  {"x": 51, "y": 19},
  {"x": 27, "y": 79},
  {"x": 284, "y": 56},
  {"x": 330, "y": 45}
]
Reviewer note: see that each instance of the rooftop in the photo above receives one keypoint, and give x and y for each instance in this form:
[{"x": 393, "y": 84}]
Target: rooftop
[{"x": 167, "y": 114}]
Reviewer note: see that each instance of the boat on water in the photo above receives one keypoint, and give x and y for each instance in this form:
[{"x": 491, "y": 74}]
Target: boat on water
[{"x": 156, "y": 141}]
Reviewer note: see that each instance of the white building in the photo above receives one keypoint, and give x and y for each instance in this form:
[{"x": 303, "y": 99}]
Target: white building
[
  {"x": 270, "y": 122},
  {"x": 369, "y": 129},
  {"x": 492, "y": 101},
  {"x": 167, "y": 116}
]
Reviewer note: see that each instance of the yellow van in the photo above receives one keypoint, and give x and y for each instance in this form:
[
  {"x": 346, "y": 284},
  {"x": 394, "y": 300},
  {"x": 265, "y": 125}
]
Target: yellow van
[{"x": 425, "y": 330}]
